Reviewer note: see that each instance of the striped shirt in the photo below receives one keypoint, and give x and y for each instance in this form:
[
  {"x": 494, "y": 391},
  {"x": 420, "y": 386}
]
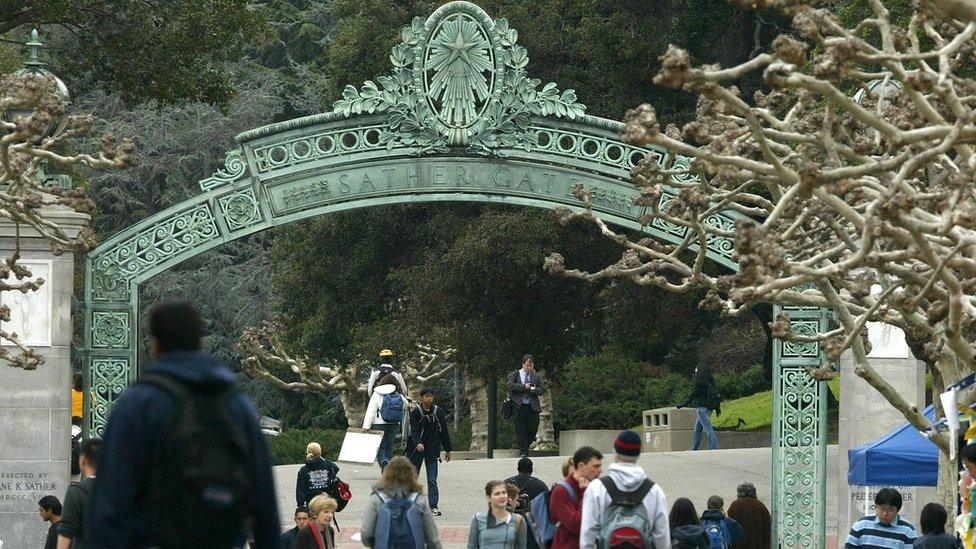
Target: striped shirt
[{"x": 869, "y": 532}]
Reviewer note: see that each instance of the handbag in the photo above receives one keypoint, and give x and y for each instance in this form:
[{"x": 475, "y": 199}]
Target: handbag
[
  {"x": 340, "y": 492},
  {"x": 508, "y": 408}
]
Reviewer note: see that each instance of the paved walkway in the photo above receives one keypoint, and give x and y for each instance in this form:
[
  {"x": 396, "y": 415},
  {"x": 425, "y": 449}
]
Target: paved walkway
[{"x": 695, "y": 475}]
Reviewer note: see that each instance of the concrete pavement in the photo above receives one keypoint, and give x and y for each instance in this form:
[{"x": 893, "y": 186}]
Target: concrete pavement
[{"x": 694, "y": 475}]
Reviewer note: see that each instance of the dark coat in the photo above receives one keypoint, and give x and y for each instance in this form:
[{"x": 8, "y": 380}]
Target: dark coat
[
  {"x": 690, "y": 536},
  {"x": 754, "y": 518},
  {"x": 429, "y": 428},
  {"x": 517, "y": 390},
  {"x": 314, "y": 478},
  {"x": 937, "y": 541},
  {"x": 701, "y": 397},
  {"x": 735, "y": 529},
  {"x": 127, "y": 454},
  {"x": 75, "y": 513},
  {"x": 306, "y": 539},
  {"x": 528, "y": 485},
  {"x": 288, "y": 538}
]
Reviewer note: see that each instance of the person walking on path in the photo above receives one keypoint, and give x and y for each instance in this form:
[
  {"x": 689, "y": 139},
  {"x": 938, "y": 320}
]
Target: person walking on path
[
  {"x": 704, "y": 398},
  {"x": 686, "y": 529},
  {"x": 384, "y": 369},
  {"x": 428, "y": 433},
  {"x": 753, "y": 516},
  {"x": 721, "y": 530},
  {"x": 398, "y": 489},
  {"x": 624, "y": 477},
  {"x": 387, "y": 412},
  {"x": 566, "y": 496},
  {"x": 289, "y": 536},
  {"x": 933, "y": 521},
  {"x": 318, "y": 533},
  {"x": 315, "y": 477},
  {"x": 526, "y": 483},
  {"x": 184, "y": 460},
  {"x": 497, "y": 528},
  {"x": 50, "y": 510},
  {"x": 524, "y": 387},
  {"x": 885, "y": 529},
  {"x": 73, "y": 532}
]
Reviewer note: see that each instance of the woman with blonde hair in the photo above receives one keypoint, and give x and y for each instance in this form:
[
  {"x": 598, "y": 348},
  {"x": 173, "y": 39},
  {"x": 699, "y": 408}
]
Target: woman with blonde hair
[
  {"x": 497, "y": 528},
  {"x": 399, "y": 490},
  {"x": 315, "y": 477},
  {"x": 318, "y": 534}
]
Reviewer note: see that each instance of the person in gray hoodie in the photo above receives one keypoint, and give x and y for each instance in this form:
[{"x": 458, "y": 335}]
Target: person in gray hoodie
[
  {"x": 497, "y": 528},
  {"x": 628, "y": 477},
  {"x": 374, "y": 418},
  {"x": 399, "y": 482}
]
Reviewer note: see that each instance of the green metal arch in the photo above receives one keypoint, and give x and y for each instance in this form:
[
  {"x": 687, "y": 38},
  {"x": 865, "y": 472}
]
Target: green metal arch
[{"x": 398, "y": 141}]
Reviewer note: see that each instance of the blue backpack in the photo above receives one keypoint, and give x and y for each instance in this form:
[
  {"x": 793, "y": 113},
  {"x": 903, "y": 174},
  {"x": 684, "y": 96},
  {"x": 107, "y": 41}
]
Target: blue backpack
[
  {"x": 718, "y": 534},
  {"x": 392, "y": 408},
  {"x": 538, "y": 516},
  {"x": 399, "y": 524}
]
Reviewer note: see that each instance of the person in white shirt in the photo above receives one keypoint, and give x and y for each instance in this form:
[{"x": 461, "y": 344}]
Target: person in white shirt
[{"x": 389, "y": 418}]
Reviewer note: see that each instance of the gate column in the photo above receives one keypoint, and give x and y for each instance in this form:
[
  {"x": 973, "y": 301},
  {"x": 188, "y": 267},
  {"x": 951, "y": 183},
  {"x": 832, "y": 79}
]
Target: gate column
[{"x": 35, "y": 406}]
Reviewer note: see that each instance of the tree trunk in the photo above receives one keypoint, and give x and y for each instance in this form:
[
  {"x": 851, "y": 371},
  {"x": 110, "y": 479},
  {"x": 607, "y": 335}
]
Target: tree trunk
[
  {"x": 545, "y": 438},
  {"x": 474, "y": 387},
  {"x": 947, "y": 371},
  {"x": 354, "y": 405}
]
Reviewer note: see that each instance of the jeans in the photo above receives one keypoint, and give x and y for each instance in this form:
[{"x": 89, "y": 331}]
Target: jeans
[
  {"x": 418, "y": 459},
  {"x": 526, "y": 426},
  {"x": 385, "y": 453},
  {"x": 704, "y": 422}
]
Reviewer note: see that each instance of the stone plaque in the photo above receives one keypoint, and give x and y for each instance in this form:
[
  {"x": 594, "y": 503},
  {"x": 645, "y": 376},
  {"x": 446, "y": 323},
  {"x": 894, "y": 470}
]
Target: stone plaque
[
  {"x": 23, "y": 483},
  {"x": 31, "y": 312}
]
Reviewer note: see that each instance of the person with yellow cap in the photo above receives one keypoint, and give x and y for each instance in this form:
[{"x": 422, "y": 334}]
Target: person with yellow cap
[{"x": 385, "y": 367}]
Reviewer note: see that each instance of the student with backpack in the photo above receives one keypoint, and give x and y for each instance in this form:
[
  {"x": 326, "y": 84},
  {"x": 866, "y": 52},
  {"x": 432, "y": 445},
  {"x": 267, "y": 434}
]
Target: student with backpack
[
  {"x": 566, "y": 497},
  {"x": 497, "y": 528},
  {"x": 624, "y": 508},
  {"x": 686, "y": 529},
  {"x": 184, "y": 462},
  {"x": 387, "y": 412},
  {"x": 398, "y": 515},
  {"x": 721, "y": 530}
]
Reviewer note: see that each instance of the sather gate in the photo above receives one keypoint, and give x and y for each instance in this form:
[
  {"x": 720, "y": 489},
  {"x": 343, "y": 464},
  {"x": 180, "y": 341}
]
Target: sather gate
[{"x": 457, "y": 119}]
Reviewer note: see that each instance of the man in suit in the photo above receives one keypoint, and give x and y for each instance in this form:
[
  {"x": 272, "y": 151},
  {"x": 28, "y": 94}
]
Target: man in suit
[{"x": 524, "y": 388}]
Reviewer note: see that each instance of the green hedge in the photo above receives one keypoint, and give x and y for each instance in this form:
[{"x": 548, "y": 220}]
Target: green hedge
[{"x": 289, "y": 447}]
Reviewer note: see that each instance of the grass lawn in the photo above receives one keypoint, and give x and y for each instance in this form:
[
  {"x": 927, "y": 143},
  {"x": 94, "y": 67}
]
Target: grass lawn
[{"x": 755, "y": 411}]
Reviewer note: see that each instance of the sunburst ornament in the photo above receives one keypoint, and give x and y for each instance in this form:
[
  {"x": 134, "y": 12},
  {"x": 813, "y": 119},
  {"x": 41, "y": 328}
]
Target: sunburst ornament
[{"x": 460, "y": 58}]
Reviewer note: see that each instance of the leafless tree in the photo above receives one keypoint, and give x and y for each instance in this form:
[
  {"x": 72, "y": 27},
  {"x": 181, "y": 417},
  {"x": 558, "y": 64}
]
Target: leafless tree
[
  {"x": 854, "y": 174},
  {"x": 26, "y": 198},
  {"x": 266, "y": 357}
]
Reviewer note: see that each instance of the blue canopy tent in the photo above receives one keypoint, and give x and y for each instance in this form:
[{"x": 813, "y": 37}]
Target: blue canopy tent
[{"x": 903, "y": 457}]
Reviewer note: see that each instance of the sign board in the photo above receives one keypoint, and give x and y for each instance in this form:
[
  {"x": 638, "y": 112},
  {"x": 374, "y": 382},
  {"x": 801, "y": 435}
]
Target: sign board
[
  {"x": 31, "y": 312},
  {"x": 360, "y": 446}
]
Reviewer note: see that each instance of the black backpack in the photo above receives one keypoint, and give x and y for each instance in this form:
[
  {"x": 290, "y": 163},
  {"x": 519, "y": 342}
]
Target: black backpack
[{"x": 200, "y": 485}]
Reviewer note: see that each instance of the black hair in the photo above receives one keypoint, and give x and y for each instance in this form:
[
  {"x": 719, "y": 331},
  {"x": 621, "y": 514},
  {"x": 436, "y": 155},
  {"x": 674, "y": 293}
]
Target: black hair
[
  {"x": 301, "y": 509},
  {"x": 933, "y": 519},
  {"x": 703, "y": 374},
  {"x": 525, "y": 466},
  {"x": 526, "y": 358},
  {"x": 176, "y": 325},
  {"x": 683, "y": 513},
  {"x": 426, "y": 391},
  {"x": 715, "y": 502},
  {"x": 51, "y": 503},
  {"x": 585, "y": 454},
  {"x": 968, "y": 453},
  {"x": 90, "y": 450},
  {"x": 888, "y": 496},
  {"x": 77, "y": 380}
]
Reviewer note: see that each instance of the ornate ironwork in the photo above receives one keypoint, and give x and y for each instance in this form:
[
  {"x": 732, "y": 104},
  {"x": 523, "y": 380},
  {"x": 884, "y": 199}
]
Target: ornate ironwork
[
  {"x": 799, "y": 436},
  {"x": 458, "y": 93}
]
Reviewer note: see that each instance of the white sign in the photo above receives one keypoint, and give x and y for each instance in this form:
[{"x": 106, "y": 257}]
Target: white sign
[
  {"x": 887, "y": 341},
  {"x": 360, "y": 446},
  {"x": 860, "y": 503},
  {"x": 31, "y": 313}
]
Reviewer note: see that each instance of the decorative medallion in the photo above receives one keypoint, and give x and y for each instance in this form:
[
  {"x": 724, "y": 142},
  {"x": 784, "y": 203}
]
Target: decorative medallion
[
  {"x": 110, "y": 330},
  {"x": 240, "y": 209},
  {"x": 459, "y": 81}
]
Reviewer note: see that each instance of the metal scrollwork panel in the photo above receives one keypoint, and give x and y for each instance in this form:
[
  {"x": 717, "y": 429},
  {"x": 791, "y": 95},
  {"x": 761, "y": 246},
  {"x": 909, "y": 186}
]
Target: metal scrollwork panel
[
  {"x": 241, "y": 209},
  {"x": 110, "y": 330},
  {"x": 115, "y": 268},
  {"x": 108, "y": 378},
  {"x": 799, "y": 437}
]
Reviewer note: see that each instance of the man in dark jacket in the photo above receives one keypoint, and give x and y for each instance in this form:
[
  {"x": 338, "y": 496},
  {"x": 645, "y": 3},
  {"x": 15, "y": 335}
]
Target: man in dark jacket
[
  {"x": 716, "y": 524},
  {"x": 524, "y": 388},
  {"x": 428, "y": 432},
  {"x": 73, "y": 529},
  {"x": 753, "y": 516},
  {"x": 301, "y": 520},
  {"x": 50, "y": 510},
  {"x": 133, "y": 438},
  {"x": 527, "y": 484}
]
